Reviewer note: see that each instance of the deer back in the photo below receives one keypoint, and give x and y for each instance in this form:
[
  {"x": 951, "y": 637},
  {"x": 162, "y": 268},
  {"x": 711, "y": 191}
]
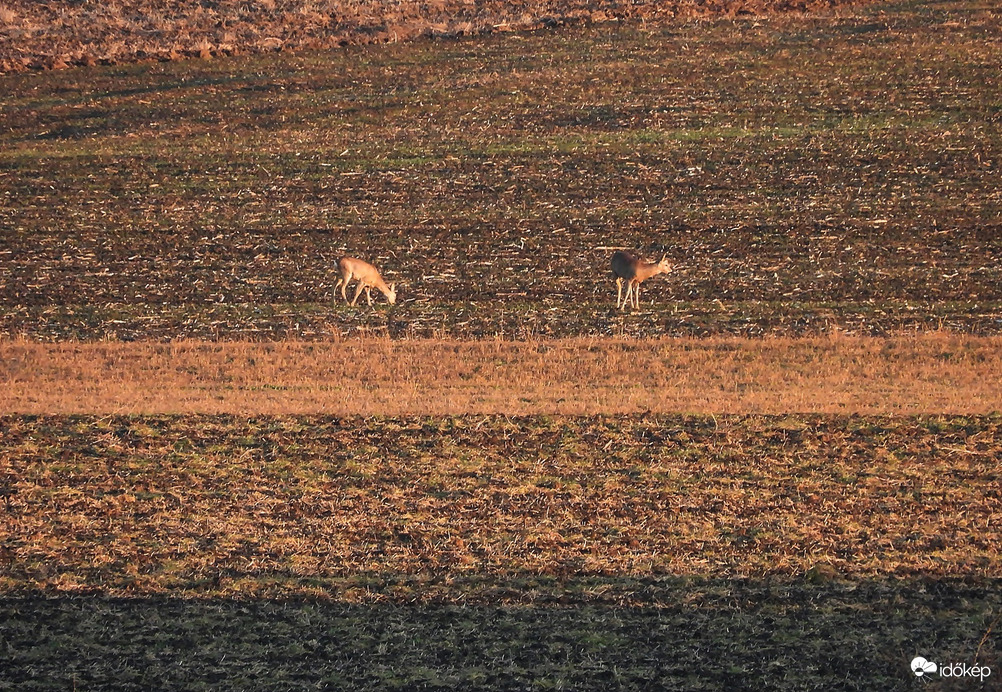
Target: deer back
[
  {"x": 360, "y": 270},
  {"x": 624, "y": 265}
]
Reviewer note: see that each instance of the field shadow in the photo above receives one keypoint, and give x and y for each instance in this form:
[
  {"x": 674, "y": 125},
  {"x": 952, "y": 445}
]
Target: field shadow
[{"x": 599, "y": 633}]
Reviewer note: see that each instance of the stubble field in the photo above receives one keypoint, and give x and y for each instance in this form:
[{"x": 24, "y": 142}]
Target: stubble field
[
  {"x": 808, "y": 508},
  {"x": 805, "y": 174},
  {"x": 631, "y": 552}
]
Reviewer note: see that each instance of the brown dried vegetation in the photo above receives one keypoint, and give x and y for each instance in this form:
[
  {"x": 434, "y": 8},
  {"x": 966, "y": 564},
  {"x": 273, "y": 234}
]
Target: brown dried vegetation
[
  {"x": 938, "y": 373},
  {"x": 497, "y": 552},
  {"x": 59, "y": 33},
  {"x": 319, "y": 505}
]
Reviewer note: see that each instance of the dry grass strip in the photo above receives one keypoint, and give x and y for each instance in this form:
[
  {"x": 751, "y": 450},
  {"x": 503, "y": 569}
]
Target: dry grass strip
[{"x": 932, "y": 373}]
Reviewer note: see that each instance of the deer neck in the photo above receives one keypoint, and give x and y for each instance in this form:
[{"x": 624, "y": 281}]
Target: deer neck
[{"x": 646, "y": 271}]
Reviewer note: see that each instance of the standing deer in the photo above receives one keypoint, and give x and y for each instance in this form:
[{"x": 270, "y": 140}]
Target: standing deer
[
  {"x": 629, "y": 268},
  {"x": 368, "y": 278}
]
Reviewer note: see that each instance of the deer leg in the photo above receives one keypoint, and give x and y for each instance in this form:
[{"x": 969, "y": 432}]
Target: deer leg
[
  {"x": 368, "y": 294},
  {"x": 636, "y": 296},
  {"x": 629, "y": 293},
  {"x": 358, "y": 292},
  {"x": 344, "y": 286},
  {"x": 619, "y": 291}
]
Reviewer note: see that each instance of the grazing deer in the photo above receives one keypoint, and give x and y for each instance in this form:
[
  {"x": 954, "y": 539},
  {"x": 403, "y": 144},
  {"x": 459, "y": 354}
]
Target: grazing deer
[
  {"x": 629, "y": 268},
  {"x": 368, "y": 278}
]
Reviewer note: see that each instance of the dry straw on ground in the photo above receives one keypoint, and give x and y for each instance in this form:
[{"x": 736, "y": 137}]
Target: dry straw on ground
[
  {"x": 932, "y": 373},
  {"x": 60, "y": 33},
  {"x": 480, "y": 508}
]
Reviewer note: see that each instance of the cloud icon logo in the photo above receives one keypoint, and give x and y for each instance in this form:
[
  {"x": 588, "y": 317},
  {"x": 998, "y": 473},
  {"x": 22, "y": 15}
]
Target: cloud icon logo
[{"x": 920, "y": 666}]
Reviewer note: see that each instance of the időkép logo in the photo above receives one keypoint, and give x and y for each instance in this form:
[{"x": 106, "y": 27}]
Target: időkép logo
[{"x": 924, "y": 668}]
